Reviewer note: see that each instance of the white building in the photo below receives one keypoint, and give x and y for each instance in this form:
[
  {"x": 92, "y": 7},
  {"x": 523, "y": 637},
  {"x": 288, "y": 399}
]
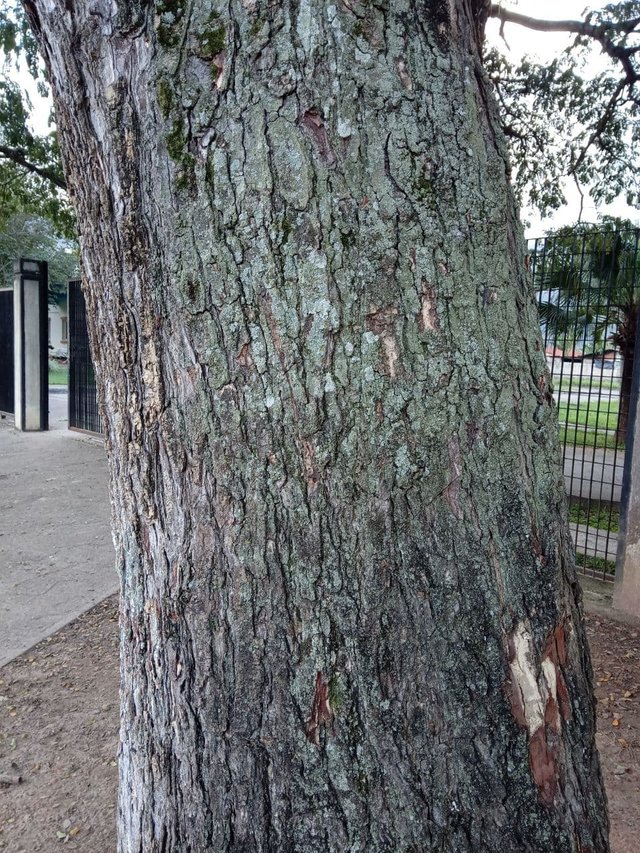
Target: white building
[{"x": 59, "y": 329}]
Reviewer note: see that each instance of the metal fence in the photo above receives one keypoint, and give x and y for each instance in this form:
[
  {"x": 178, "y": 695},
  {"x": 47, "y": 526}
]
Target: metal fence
[
  {"x": 588, "y": 289},
  {"x": 83, "y": 403},
  {"x": 6, "y": 351}
]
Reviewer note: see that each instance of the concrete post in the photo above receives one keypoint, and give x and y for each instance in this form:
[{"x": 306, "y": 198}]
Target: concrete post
[
  {"x": 31, "y": 345},
  {"x": 626, "y": 593}
]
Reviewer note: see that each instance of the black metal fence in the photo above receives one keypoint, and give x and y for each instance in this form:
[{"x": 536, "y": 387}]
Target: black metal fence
[
  {"x": 83, "y": 403},
  {"x": 588, "y": 289},
  {"x": 6, "y": 352}
]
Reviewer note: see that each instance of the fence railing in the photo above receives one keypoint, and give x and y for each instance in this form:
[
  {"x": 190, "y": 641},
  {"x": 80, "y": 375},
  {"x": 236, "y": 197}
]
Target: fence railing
[
  {"x": 83, "y": 403},
  {"x": 588, "y": 289},
  {"x": 6, "y": 351}
]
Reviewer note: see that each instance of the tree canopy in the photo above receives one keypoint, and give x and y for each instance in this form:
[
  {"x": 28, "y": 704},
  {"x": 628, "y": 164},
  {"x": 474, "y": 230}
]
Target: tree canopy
[
  {"x": 31, "y": 175},
  {"x": 561, "y": 119},
  {"x": 31, "y": 236}
]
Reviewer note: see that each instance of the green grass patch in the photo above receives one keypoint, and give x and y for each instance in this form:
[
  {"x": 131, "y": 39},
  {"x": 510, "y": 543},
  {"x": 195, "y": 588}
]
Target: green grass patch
[
  {"x": 58, "y": 374},
  {"x": 578, "y": 437},
  {"x": 596, "y": 565},
  {"x": 594, "y": 387},
  {"x": 587, "y": 413},
  {"x": 589, "y": 424},
  {"x": 604, "y": 516}
]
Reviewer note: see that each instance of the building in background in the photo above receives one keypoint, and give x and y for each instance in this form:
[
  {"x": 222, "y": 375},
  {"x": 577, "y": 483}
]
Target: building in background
[{"x": 59, "y": 327}]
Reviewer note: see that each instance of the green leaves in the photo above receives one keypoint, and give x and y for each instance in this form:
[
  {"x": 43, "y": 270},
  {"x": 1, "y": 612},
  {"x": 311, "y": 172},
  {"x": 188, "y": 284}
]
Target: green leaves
[
  {"x": 24, "y": 235},
  {"x": 586, "y": 280},
  {"x": 31, "y": 175},
  {"x": 561, "y": 120}
]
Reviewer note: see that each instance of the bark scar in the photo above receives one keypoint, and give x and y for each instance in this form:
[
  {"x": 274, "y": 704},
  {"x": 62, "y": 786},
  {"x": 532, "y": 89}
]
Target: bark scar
[
  {"x": 428, "y": 320},
  {"x": 381, "y": 321},
  {"x": 452, "y": 492},
  {"x": 540, "y": 701},
  {"x": 311, "y": 471},
  {"x": 244, "y": 358},
  {"x": 404, "y": 75},
  {"x": 321, "y": 713},
  {"x": 313, "y": 122}
]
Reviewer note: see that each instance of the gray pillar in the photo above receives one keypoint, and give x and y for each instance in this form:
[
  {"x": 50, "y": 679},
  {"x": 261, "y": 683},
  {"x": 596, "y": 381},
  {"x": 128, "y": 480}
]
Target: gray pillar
[
  {"x": 31, "y": 345},
  {"x": 626, "y": 593}
]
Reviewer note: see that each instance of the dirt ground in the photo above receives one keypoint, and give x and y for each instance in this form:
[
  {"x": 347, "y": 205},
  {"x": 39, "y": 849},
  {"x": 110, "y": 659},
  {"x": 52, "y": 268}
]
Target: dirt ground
[{"x": 58, "y": 733}]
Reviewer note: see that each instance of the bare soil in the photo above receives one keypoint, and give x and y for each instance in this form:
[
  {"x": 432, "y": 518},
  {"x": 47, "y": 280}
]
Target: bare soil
[{"x": 59, "y": 724}]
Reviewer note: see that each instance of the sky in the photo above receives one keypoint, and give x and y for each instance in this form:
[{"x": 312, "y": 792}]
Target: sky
[
  {"x": 545, "y": 46},
  {"x": 520, "y": 41}
]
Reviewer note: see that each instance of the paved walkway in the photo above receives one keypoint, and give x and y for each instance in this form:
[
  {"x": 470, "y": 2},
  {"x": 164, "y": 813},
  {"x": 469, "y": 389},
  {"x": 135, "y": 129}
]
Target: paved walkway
[
  {"x": 594, "y": 542},
  {"x": 593, "y": 473},
  {"x": 56, "y": 552}
]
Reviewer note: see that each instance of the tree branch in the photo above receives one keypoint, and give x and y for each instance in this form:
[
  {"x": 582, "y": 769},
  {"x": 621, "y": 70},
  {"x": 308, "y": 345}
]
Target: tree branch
[
  {"x": 18, "y": 156},
  {"x": 595, "y": 31},
  {"x": 599, "y": 32}
]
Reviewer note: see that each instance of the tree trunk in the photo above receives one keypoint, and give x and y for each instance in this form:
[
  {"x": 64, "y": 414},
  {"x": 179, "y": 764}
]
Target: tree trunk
[
  {"x": 350, "y": 619},
  {"x": 625, "y": 338},
  {"x": 626, "y": 382}
]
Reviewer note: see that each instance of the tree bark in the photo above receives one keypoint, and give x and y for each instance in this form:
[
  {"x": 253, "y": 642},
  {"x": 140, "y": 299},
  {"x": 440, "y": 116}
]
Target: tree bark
[
  {"x": 625, "y": 340},
  {"x": 350, "y": 619}
]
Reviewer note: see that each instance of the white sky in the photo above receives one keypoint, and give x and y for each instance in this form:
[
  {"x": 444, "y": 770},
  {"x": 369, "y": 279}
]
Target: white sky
[
  {"x": 521, "y": 41},
  {"x": 545, "y": 46}
]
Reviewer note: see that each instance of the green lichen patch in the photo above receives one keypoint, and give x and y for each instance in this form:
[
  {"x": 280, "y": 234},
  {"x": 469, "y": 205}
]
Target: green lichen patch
[
  {"x": 211, "y": 40},
  {"x": 168, "y": 23},
  {"x": 347, "y": 239},
  {"x": 165, "y": 97},
  {"x": 186, "y": 176},
  {"x": 256, "y": 27},
  {"x": 336, "y": 694},
  {"x": 176, "y": 141}
]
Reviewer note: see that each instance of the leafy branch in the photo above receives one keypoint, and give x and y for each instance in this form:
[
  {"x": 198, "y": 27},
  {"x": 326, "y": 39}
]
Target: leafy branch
[{"x": 560, "y": 122}]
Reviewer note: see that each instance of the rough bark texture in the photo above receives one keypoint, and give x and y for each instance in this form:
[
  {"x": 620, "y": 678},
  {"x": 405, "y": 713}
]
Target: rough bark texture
[{"x": 349, "y": 615}]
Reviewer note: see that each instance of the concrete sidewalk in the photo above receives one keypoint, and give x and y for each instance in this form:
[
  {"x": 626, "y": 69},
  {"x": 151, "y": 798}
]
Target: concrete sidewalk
[{"x": 56, "y": 552}]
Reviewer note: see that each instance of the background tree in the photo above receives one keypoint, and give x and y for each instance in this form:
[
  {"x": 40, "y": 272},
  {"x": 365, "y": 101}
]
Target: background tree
[
  {"x": 24, "y": 235},
  {"x": 589, "y": 281},
  {"x": 31, "y": 177},
  {"x": 349, "y": 616}
]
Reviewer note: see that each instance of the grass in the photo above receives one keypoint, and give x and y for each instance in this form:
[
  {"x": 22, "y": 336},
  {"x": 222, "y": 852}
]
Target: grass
[
  {"x": 58, "y": 374},
  {"x": 576, "y": 437},
  {"x": 604, "y": 516},
  {"x": 589, "y": 423},
  {"x": 596, "y": 565},
  {"x": 588, "y": 413},
  {"x": 587, "y": 384}
]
